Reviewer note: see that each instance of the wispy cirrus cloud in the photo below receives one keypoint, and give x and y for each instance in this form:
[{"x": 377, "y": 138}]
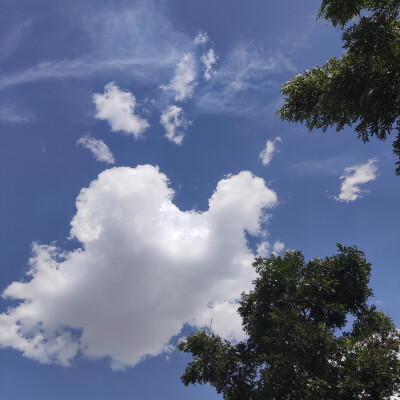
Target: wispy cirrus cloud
[
  {"x": 138, "y": 35},
  {"x": 99, "y": 149},
  {"x": 12, "y": 115},
  {"x": 355, "y": 176},
  {"x": 11, "y": 40},
  {"x": 118, "y": 109},
  {"x": 242, "y": 78},
  {"x": 144, "y": 270}
]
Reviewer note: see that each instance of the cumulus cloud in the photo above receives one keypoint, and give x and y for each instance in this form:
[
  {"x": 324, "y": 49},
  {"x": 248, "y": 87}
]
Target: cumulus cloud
[
  {"x": 209, "y": 59},
  {"x": 144, "y": 270},
  {"x": 267, "y": 154},
  {"x": 98, "y": 148},
  {"x": 175, "y": 123},
  {"x": 264, "y": 248},
  {"x": 118, "y": 107},
  {"x": 354, "y": 177},
  {"x": 183, "y": 82},
  {"x": 201, "y": 38}
]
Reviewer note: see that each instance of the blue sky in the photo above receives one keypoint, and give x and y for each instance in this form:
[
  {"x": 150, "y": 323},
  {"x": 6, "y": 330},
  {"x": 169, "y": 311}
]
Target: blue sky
[{"x": 142, "y": 169}]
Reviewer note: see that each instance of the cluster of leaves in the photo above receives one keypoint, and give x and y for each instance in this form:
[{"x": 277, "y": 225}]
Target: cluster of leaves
[
  {"x": 298, "y": 347},
  {"x": 361, "y": 88}
]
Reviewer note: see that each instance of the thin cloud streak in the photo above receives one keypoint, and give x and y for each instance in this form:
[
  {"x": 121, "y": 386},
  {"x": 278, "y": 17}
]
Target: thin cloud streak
[{"x": 79, "y": 68}]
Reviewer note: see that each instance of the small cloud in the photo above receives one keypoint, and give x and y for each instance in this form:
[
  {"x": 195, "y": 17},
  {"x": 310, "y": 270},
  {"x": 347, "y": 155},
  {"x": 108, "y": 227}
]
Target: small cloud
[
  {"x": 209, "y": 59},
  {"x": 278, "y": 247},
  {"x": 355, "y": 176},
  {"x": 175, "y": 124},
  {"x": 264, "y": 248},
  {"x": 118, "y": 107},
  {"x": 99, "y": 149},
  {"x": 11, "y": 115},
  {"x": 201, "y": 38},
  {"x": 183, "y": 83},
  {"x": 267, "y": 154}
]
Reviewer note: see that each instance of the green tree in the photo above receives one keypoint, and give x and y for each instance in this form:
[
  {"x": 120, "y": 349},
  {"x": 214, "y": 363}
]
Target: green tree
[
  {"x": 298, "y": 346},
  {"x": 361, "y": 88}
]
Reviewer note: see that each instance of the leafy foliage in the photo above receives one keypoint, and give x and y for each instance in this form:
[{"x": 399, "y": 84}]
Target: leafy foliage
[
  {"x": 361, "y": 88},
  {"x": 298, "y": 347}
]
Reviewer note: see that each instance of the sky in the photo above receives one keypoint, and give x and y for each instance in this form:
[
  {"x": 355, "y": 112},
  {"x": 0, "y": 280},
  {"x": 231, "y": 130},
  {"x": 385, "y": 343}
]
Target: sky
[{"x": 142, "y": 170}]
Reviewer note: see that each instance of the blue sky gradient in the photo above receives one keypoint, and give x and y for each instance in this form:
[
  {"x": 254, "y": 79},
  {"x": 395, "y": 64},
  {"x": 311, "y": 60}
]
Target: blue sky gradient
[{"x": 169, "y": 263}]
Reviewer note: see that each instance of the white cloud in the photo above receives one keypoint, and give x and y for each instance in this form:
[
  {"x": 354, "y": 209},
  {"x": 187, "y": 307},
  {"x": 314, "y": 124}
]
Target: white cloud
[
  {"x": 278, "y": 247},
  {"x": 175, "y": 123},
  {"x": 355, "y": 176},
  {"x": 209, "y": 59},
  {"x": 201, "y": 38},
  {"x": 183, "y": 82},
  {"x": 145, "y": 269},
  {"x": 99, "y": 149},
  {"x": 267, "y": 154},
  {"x": 118, "y": 107},
  {"x": 264, "y": 248}
]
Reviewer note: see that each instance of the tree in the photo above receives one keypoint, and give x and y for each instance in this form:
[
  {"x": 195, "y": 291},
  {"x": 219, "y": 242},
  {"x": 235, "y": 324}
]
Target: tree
[
  {"x": 361, "y": 88},
  {"x": 299, "y": 344}
]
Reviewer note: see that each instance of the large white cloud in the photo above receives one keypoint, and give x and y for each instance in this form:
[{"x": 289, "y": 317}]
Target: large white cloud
[
  {"x": 183, "y": 82},
  {"x": 145, "y": 269},
  {"x": 355, "y": 176},
  {"x": 99, "y": 149},
  {"x": 118, "y": 108}
]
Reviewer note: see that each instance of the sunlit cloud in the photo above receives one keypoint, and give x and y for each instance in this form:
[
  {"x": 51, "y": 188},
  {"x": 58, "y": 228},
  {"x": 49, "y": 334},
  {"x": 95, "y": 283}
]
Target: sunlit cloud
[
  {"x": 354, "y": 177},
  {"x": 267, "y": 154},
  {"x": 144, "y": 270},
  {"x": 118, "y": 108},
  {"x": 99, "y": 149}
]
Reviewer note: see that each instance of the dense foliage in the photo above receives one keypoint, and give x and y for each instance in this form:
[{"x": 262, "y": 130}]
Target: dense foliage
[
  {"x": 301, "y": 345},
  {"x": 361, "y": 88}
]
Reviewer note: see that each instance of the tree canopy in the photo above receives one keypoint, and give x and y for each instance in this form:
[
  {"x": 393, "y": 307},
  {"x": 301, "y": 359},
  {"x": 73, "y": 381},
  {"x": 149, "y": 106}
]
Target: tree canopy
[
  {"x": 361, "y": 88},
  {"x": 301, "y": 344}
]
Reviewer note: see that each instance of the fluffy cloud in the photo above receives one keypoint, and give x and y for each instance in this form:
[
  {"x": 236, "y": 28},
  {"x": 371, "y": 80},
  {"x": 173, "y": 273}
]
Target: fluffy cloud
[
  {"x": 183, "y": 82},
  {"x": 209, "y": 59},
  {"x": 117, "y": 107},
  {"x": 144, "y": 270},
  {"x": 175, "y": 124},
  {"x": 267, "y": 154},
  {"x": 355, "y": 176},
  {"x": 264, "y": 248},
  {"x": 99, "y": 149}
]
